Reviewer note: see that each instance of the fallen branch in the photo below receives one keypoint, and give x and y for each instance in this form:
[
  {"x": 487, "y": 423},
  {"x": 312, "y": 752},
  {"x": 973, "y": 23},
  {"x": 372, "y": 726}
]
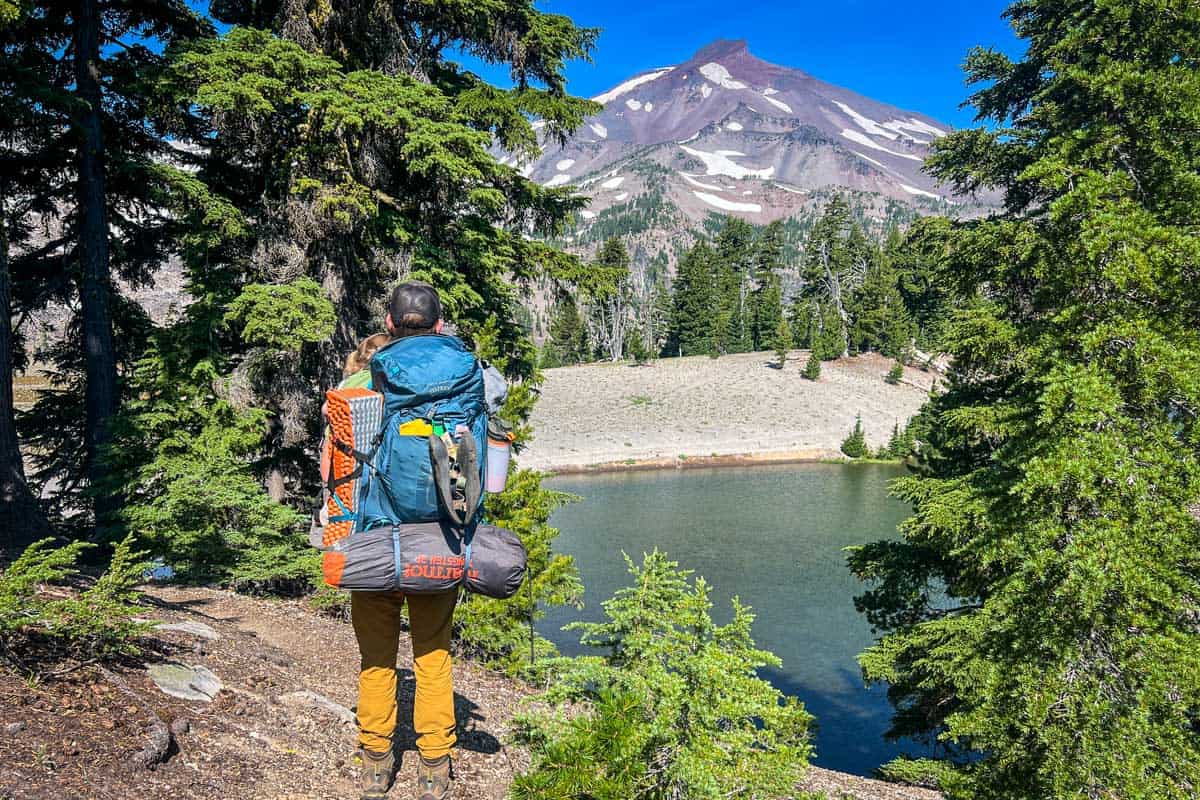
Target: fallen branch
[{"x": 158, "y": 733}]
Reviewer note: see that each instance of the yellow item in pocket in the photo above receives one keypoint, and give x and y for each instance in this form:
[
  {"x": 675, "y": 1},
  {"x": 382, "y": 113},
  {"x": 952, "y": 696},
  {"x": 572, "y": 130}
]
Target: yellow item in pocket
[{"x": 416, "y": 427}]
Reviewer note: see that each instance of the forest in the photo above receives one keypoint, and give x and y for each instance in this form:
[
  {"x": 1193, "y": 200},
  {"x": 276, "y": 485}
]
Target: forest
[{"x": 1039, "y": 619}]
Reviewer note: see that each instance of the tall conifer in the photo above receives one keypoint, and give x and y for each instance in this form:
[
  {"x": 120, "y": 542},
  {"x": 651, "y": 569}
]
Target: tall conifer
[{"x": 1041, "y": 614}]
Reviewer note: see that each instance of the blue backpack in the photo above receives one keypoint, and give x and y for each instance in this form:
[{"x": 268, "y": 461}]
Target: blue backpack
[{"x": 427, "y": 382}]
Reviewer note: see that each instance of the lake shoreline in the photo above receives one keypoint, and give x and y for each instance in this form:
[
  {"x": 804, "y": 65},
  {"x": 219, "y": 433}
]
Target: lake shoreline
[{"x": 753, "y": 459}]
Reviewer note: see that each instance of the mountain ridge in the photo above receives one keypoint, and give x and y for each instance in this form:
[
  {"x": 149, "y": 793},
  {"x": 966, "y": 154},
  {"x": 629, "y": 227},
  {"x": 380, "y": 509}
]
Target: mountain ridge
[{"x": 727, "y": 133}]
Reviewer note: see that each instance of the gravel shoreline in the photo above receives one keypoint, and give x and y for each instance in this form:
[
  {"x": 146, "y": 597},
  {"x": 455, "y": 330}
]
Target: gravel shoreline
[{"x": 700, "y": 411}]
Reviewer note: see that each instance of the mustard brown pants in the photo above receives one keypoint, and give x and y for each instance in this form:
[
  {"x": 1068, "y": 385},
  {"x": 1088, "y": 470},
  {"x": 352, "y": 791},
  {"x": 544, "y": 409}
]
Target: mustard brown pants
[{"x": 376, "y": 617}]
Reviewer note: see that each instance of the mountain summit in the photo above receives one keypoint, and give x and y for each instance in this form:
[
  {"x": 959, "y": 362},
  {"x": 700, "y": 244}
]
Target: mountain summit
[{"x": 728, "y": 132}]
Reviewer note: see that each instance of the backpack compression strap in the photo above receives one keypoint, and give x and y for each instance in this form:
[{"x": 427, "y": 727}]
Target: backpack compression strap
[{"x": 468, "y": 462}]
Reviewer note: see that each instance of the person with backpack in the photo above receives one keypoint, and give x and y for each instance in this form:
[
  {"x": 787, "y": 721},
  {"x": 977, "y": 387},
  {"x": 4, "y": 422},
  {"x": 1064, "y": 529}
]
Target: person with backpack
[{"x": 421, "y": 369}]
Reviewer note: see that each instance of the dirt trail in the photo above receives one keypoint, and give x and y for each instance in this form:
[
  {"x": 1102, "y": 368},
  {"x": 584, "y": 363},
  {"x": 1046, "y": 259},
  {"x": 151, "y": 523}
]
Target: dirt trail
[{"x": 74, "y": 735}]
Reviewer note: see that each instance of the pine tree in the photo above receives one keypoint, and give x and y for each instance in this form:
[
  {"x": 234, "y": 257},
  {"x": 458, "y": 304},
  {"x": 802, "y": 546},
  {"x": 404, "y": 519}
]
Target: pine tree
[
  {"x": 855, "y": 445},
  {"x": 812, "y": 367},
  {"x": 610, "y": 297},
  {"x": 734, "y": 250},
  {"x": 568, "y": 341},
  {"x": 834, "y": 265},
  {"x": 783, "y": 342},
  {"x": 1040, "y": 616},
  {"x": 83, "y": 76},
  {"x": 694, "y": 312},
  {"x": 766, "y": 301},
  {"x": 895, "y": 374},
  {"x": 674, "y": 707}
]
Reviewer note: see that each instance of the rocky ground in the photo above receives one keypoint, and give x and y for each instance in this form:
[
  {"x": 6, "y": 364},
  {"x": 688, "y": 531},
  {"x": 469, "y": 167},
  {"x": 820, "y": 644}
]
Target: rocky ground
[
  {"x": 687, "y": 409},
  {"x": 271, "y": 715}
]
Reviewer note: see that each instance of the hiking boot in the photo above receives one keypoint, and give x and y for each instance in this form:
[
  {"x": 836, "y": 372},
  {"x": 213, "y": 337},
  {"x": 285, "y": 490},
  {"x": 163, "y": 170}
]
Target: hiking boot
[
  {"x": 433, "y": 778},
  {"x": 378, "y": 769}
]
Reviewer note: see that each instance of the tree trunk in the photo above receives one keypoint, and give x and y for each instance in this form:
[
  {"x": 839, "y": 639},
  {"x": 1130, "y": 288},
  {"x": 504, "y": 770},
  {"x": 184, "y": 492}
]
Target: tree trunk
[
  {"x": 100, "y": 364},
  {"x": 21, "y": 519}
]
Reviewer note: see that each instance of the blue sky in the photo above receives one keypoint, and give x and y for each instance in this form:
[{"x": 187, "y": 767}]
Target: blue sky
[
  {"x": 905, "y": 52},
  {"x": 908, "y": 54}
]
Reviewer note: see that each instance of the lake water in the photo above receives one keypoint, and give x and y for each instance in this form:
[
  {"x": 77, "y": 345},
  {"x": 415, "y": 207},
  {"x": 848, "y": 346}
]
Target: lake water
[{"x": 773, "y": 535}]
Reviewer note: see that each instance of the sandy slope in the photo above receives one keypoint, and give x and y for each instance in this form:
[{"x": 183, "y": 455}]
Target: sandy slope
[{"x": 617, "y": 414}]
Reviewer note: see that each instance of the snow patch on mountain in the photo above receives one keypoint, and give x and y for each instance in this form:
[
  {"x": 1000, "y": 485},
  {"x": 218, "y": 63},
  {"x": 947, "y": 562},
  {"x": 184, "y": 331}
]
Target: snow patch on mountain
[
  {"x": 630, "y": 85},
  {"x": 915, "y": 126},
  {"x": 732, "y": 153},
  {"x": 613, "y": 183},
  {"x": 859, "y": 138},
  {"x": 921, "y": 192},
  {"x": 728, "y": 205},
  {"x": 733, "y": 126},
  {"x": 720, "y": 76},
  {"x": 705, "y": 90},
  {"x": 701, "y": 184},
  {"x": 769, "y": 92},
  {"x": 779, "y": 104},
  {"x": 558, "y": 180},
  {"x": 866, "y": 123},
  {"x": 879, "y": 164},
  {"x": 622, "y": 196},
  {"x": 587, "y": 214},
  {"x": 720, "y": 164},
  {"x": 599, "y": 130},
  {"x": 649, "y": 107},
  {"x": 791, "y": 189},
  {"x": 565, "y": 164},
  {"x": 691, "y": 138},
  {"x": 633, "y": 105}
]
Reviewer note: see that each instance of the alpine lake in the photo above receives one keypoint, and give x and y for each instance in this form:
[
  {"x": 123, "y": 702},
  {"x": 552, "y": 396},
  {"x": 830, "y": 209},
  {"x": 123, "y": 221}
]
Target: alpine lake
[{"x": 774, "y": 537}]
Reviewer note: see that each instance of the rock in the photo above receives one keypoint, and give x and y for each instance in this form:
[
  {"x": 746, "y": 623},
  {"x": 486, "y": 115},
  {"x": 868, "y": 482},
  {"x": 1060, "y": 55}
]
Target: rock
[
  {"x": 13, "y": 728},
  {"x": 180, "y": 726},
  {"x": 185, "y": 681},
  {"x": 306, "y": 699},
  {"x": 198, "y": 629}
]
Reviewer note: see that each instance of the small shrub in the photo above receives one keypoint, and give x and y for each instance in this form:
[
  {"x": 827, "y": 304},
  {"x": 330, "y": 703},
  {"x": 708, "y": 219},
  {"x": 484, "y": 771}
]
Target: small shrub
[
  {"x": 674, "y": 706},
  {"x": 637, "y": 349},
  {"x": 812, "y": 368},
  {"x": 783, "y": 342},
  {"x": 924, "y": 772},
  {"x": 855, "y": 445},
  {"x": 97, "y": 622},
  {"x": 895, "y": 374},
  {"x": 498, "y": 631}
]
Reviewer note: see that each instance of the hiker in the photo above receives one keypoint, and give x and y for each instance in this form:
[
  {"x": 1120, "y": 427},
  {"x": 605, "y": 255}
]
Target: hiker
[
  {"x": 413, "y": 310},
  {"x": 355, "y": 372}
]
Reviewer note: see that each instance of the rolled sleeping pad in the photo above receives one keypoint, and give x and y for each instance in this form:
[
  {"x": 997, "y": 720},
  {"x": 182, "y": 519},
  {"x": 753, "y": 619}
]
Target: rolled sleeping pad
[{"x": 426, "y": 558}]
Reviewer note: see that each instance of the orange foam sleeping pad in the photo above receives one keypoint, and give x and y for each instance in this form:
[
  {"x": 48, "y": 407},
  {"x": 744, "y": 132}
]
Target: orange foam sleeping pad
[{"x": 355, "y": 417}]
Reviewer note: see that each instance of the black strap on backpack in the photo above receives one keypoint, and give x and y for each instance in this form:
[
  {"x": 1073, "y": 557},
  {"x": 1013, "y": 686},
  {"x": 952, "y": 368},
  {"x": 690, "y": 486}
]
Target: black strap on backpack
[{"x": 468, "y": 464}]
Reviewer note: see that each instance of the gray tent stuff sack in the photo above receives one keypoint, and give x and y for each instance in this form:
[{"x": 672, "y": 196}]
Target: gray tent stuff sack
[{"x": 427, "y": 558}]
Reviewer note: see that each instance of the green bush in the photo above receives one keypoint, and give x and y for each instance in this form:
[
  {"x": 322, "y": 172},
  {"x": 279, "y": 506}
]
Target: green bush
[
  {"x": 498, "y": 631},
  {"x": 783, "y": 342},
  {"x": 674, "y": 707},
  {"x": 925, "y": 772},
  {"x": 97, "y": 622},
  {"x": 855, "y": 445},
  {"x": 895, "y": 374},
  {"x": 812, "y": 368}
]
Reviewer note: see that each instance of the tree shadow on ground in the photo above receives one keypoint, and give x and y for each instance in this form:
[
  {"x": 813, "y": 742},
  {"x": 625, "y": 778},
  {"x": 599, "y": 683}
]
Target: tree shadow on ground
[{"x": 471, "y": 733}]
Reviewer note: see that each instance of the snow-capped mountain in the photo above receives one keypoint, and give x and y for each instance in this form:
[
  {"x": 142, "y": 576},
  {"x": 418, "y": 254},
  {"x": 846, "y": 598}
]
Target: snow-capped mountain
[{"x": 729, "y": 133}]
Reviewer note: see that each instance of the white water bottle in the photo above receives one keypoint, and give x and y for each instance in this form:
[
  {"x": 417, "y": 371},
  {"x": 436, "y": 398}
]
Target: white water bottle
[{"x": 499, "y": 452}]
